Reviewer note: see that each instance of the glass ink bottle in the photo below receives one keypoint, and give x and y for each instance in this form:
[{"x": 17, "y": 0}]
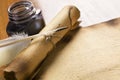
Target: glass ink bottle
[{"x": 23, "y": 17}]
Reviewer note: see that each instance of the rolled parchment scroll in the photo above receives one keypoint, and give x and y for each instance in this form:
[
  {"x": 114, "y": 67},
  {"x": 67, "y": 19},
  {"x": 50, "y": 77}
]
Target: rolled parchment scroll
[{"x": 28, "y": 60}]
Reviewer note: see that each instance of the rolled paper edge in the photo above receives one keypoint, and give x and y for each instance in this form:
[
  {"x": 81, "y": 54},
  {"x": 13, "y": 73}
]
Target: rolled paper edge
[{"x": 27, "y": 61}]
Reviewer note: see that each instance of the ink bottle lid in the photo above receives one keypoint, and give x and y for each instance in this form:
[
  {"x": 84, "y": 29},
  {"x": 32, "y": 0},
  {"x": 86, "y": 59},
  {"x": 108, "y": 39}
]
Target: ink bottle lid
[{"x": 24, "y": 17}]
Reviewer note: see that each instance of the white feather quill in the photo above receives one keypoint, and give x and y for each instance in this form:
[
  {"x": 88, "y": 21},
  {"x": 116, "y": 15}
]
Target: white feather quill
[{"x": 13, "y": 45}]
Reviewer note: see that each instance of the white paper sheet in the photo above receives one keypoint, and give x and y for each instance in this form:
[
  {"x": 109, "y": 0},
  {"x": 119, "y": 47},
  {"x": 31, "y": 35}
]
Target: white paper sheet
[{"x": 92, "y": 11}]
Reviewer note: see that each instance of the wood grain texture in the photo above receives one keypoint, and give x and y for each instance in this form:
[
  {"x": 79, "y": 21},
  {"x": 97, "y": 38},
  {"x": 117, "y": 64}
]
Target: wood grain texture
[{"x": 4, "y": 16}]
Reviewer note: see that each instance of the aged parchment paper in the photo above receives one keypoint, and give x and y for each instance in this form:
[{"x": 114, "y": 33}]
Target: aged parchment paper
[{"x": 91, "y": 53}]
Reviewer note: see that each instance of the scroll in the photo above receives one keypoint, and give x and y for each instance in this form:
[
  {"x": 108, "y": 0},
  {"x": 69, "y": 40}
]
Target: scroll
[
  {"x": 24, "y": 64},
  {"x": 91, "y": 53}
]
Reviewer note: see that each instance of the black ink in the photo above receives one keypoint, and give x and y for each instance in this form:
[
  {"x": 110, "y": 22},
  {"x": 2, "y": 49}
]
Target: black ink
[{"x": 23, "y": 17}]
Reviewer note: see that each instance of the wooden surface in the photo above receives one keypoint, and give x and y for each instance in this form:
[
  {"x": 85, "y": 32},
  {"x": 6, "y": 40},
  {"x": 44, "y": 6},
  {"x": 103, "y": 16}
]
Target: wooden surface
[
  {"x": 91, "y": 53},
  {"x": 4, "y": 17}
]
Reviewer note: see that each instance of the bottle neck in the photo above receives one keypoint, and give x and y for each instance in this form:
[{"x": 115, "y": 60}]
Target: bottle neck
[{"x": 21, "y": 12}]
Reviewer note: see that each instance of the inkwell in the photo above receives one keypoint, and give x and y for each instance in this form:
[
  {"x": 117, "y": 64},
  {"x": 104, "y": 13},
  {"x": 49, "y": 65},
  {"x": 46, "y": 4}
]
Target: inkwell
[{"x": 24, "y": 17}]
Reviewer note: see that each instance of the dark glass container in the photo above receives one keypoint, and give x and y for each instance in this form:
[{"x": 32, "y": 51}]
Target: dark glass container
[{"x": 23, "y": 17}]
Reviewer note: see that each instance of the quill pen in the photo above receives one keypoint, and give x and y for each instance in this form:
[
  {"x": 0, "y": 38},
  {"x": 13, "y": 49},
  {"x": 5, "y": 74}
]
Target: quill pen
[
  {"x": 13, "y": 45},
  {"x": 18, "y": 37}
]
